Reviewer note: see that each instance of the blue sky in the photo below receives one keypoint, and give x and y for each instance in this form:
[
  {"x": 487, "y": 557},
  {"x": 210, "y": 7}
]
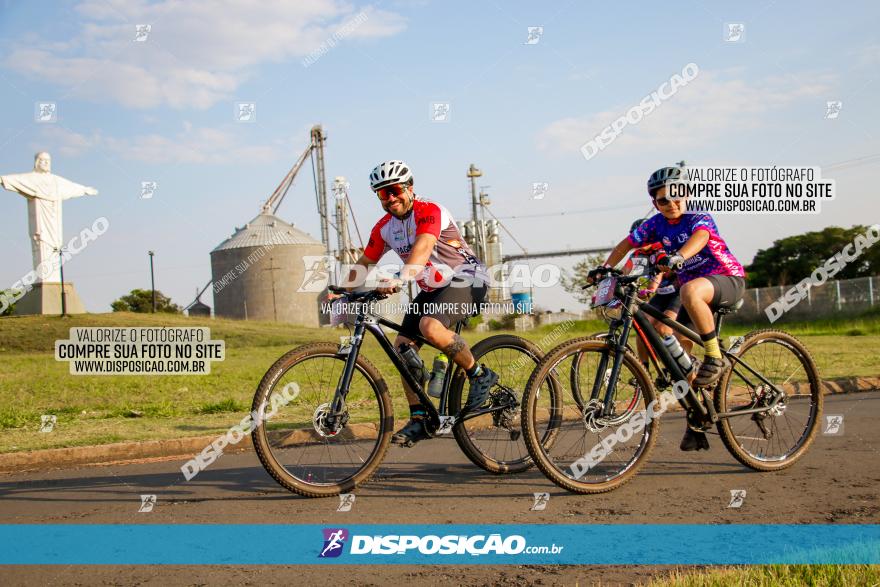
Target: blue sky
[{"x": 162, "y": 110}]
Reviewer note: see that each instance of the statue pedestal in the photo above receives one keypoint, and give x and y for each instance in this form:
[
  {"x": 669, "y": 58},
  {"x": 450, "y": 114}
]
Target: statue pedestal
[{"x": 45, "y": 298}]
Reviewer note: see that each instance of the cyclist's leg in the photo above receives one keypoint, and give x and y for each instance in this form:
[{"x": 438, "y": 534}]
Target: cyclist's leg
[
  {"x": 453, "y": 304},
  {"x": 692, "y": 440},
  {"x": 642, "y": 351},
  {"x": 700, "y": 297},
  {"x": 669, "y": 304},
  {"x": 416, "y": 428},
  {"x": 411, "y": 396}
]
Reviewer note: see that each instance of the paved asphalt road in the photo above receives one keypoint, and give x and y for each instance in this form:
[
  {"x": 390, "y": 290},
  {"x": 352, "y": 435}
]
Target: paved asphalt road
[{"x": 836, "y": 482}]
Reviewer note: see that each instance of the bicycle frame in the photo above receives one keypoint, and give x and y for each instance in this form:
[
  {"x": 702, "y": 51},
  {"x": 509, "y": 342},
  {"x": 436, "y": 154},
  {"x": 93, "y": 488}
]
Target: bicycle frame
[
  {"x": 369, "y": 323},
  {"x": 634, "y": 312}
]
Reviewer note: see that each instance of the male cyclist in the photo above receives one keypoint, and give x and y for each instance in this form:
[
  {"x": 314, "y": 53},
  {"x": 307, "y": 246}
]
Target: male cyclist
[
  {"x": 452, "y": 281},
  {"x": 710, "y": 277}
]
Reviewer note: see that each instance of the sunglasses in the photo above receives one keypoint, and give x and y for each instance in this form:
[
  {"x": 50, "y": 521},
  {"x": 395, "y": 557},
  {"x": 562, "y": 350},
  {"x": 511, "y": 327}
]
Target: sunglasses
[
  {"x": 386, "y": 194},
  {"x": 662, "y": 201}
]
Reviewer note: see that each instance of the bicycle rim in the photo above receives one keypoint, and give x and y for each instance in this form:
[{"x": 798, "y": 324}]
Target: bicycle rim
[
  {"x": 297, "y": 441},
  {"x": 773, "y": 439},
  {"x": 589, "y": 454}
]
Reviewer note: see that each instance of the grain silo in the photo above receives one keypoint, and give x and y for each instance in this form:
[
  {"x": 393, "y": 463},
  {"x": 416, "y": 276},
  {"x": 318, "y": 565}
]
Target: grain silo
[{"x": 258, "y": 270}]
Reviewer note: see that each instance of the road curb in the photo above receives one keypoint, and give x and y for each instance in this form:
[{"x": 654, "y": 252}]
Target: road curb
[
  {"x": 186, "y": 448},
  {"x": 105, "y": 454}
]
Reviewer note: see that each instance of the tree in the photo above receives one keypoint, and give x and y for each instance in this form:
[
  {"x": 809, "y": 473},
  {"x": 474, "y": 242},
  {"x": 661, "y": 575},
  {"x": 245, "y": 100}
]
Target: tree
[
  {"x": 140, "y": 300},
  {"x": 10, "y": 295},
  {"x": 574, "y": 282},
  {"x": 794, "y": 258}
]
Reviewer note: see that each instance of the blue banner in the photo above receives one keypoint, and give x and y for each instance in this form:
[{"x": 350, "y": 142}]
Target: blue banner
[{"x": 599, "y": 544}]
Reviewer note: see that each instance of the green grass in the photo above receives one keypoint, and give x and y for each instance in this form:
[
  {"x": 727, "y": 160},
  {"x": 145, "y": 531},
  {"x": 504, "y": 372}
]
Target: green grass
[
  {"x": 777, "y": 576},
  {"x": 94, "y": 409}
]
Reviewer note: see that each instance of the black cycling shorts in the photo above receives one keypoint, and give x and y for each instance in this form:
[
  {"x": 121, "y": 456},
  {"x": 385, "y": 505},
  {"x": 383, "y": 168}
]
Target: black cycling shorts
[
  {"x": 729, "y": 289},
  {"x": 670, "y": 302},
  {"x": 450, "y": 305}
]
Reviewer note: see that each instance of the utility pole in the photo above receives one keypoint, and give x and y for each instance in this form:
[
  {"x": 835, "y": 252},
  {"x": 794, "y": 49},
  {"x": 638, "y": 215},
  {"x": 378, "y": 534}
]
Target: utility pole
[
  {"x": 473, "y": 174},
  {"x": 152, "y": 281},
  {"x": 63, "y": 293}
]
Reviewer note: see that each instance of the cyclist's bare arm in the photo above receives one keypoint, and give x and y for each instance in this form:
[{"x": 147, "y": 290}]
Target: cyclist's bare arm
[
  {"x": 619, "y": 252},
  {"x": 416, "y": 262},
  {"x": 418, "y": 257},
  {"x": 363, "y": 261},
  {"x": 694, "y": 244}
]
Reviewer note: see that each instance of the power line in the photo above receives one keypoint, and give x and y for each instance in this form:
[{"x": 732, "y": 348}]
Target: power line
[
  {"x": 853, "y": 162},
  {"x": 573, "y": 212},
  {"x": 501, "y": 224}
]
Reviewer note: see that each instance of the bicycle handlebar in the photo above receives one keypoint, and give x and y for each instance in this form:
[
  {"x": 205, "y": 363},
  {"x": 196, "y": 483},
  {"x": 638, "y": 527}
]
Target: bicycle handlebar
[
  {"x": 626, "y": 279},
  {"x": 357, "y": 296}
]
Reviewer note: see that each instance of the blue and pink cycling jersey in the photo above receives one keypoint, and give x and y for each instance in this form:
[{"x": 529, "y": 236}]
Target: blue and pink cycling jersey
[{"x": 713, "y": 259}]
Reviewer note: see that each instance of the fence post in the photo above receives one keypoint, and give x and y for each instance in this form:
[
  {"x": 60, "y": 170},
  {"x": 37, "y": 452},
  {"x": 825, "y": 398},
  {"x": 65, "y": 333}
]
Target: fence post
[
  {"x": 871, "y": 289},
  {"x": 837, "y": 286}
]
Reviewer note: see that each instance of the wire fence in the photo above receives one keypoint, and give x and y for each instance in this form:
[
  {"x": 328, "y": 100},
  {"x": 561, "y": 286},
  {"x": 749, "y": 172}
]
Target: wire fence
[{"x": 833, "y": 298}]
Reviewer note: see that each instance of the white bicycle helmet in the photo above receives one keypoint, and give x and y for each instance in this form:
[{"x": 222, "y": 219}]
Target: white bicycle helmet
[{"x": 389, "y": 173}]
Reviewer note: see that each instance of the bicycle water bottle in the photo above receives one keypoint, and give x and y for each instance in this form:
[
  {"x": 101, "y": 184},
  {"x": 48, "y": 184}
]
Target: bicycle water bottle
[
  {"x": 438, "y": 373},
  {"x": 414, "y": 364},
  {"x": 681, "y": 357}
]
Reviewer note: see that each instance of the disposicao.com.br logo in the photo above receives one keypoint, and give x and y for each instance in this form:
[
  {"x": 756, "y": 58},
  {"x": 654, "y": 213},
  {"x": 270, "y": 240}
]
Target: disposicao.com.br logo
[{"x": 476, "y": 545}]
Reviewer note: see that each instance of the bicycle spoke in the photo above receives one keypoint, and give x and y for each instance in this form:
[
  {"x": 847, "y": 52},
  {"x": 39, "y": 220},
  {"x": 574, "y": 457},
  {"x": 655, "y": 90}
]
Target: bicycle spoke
[
  {"x": 784, "y": 428},
  {"x": 302, "y": 442}
]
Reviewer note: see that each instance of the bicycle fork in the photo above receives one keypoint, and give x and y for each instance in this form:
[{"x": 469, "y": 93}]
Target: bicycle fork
[{"x": 619, "y": 343}]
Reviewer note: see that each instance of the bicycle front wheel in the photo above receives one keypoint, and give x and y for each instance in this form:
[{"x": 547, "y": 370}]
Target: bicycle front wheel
[
  {"x": 594, "y": 451},
  {"x": 776, "y": 438},
  {"x": 300, "y": 441}
]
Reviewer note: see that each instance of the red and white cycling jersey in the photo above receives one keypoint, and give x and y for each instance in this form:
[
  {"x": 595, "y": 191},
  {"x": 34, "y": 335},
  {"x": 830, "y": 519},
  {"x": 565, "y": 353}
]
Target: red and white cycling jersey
[{"x": 451, "y": 255}]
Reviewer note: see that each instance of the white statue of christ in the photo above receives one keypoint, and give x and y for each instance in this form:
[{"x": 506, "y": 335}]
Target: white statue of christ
[{"x": 45, "y": 192}]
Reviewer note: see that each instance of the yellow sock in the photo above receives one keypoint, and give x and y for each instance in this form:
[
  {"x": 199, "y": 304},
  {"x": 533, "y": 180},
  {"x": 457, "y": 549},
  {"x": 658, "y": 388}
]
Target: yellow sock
[{"x": 711, "y": 347}]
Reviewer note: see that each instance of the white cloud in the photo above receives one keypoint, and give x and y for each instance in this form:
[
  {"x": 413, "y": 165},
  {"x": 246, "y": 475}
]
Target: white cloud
[
  {"x": 709, "y": 107},
  {"x": 197, "y": 53},
  {"x": 867, "y": 56},
  {"x": 191, "y": 146}
]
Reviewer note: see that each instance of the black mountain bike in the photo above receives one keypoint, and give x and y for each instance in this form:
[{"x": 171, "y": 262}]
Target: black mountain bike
[
  {"x": 766, "y": 406},
  {"x": 329, "y": 432}
]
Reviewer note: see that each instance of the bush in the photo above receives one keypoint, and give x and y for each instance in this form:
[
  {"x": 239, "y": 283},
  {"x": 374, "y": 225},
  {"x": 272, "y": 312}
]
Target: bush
[{"x": 140, "y": 300}]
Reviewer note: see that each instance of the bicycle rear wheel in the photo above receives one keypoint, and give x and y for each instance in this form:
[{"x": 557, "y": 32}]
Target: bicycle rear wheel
[
  {"x": 775, "y": 439},
  {"x": 592, "y": 452},
  {"x": 494, "y": 441},
  {"x": 301, "y": 448}
]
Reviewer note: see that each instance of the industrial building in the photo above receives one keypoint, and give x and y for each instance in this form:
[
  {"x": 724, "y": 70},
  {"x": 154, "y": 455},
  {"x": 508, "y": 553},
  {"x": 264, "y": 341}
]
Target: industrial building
[{"x": 257, "y": 271}]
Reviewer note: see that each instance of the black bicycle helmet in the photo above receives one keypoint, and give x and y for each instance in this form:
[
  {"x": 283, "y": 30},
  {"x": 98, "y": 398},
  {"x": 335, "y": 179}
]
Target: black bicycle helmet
[{"x": 660, "y": 177}]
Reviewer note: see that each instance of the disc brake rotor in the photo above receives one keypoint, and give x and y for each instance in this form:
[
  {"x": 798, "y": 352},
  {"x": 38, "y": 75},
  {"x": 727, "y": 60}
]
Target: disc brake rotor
[{"x": 325, "y": 425}]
